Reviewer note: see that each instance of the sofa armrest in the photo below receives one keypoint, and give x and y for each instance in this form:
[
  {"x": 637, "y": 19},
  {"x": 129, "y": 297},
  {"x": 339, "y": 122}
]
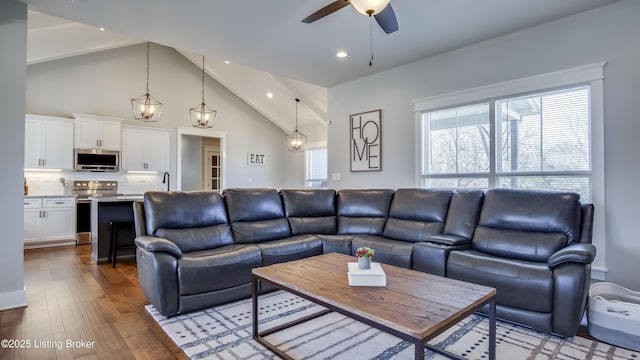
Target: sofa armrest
[
  {"x": 451, "y": 240},
  {"x": 157, "y": 244},
  {"x": 580, "y": 253}
]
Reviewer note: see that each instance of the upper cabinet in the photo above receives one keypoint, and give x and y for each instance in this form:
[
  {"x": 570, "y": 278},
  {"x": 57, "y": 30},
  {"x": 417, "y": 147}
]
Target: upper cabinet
[
  {"x": 145, "y": 149},
  {"x": 97, "y": 132},
  {"x": 48, "y": 143}
]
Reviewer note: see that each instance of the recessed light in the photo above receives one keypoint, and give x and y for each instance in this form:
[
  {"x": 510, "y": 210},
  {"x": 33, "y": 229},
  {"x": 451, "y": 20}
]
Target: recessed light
[
  {"x": 342, "y": 54},
  {"x": 227, "y": 62},
  {"x": 270, "y": 95},
  {"x": 101, "y": 29}
]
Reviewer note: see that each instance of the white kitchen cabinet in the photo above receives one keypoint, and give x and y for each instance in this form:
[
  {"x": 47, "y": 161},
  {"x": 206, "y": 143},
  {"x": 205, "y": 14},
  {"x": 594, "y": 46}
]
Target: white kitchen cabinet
[
  {"x": 48, "y": 143},
  {"x": 145, "y": 149},
  {"x": 49, "y": 222},
  {"x": 97, "y": 132}
]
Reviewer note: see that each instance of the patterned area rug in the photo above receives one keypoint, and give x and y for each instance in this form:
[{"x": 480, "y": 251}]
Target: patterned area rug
[{"x": 224, "y": 332}]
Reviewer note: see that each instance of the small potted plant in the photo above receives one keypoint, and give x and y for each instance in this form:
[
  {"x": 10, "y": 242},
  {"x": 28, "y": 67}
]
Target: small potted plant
[{"x": 364, "y": 255}]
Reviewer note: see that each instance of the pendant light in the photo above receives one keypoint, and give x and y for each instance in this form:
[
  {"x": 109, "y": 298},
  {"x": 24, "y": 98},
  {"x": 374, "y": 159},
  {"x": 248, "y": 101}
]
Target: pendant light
[
  {"x": 296, "y": 140},
  {"x": 202, "y": 115},
  {"x": 145, "y": 107}
]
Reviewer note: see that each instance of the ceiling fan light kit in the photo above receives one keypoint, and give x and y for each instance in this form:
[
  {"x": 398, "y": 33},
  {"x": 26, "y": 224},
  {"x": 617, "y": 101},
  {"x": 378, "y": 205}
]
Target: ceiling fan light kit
[{"x": 369, "y": 7}]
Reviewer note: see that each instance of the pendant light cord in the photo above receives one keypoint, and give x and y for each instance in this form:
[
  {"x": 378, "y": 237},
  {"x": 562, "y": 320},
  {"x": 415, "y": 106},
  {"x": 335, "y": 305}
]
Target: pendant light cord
[
  {"x": 148, "y": 67},
  {"x": 203, "y": 79},
  {"x": 297, "y": 101},
  {"x": 370, "y": 40}
]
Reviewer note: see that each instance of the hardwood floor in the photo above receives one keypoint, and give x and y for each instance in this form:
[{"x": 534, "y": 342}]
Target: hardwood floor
[{"x": 72, "y": 298}]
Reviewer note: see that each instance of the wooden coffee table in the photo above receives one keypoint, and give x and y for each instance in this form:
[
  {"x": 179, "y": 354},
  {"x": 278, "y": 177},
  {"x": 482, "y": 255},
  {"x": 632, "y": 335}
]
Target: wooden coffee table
[{"x": 414, "y": 306}]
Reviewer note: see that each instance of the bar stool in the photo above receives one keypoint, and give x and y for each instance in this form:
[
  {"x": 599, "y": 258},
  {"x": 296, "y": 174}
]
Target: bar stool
[{"x": 116, "y": 226}]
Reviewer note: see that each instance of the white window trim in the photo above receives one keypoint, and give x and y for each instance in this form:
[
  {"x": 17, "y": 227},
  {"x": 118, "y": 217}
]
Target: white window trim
[
  {"x": 311, "y": 146},
  {"x": 592, "y": 74}
]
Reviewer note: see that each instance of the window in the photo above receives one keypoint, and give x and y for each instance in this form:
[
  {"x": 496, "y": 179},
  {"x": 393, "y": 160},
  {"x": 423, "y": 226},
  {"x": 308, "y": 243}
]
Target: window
[
  {"x": 539, "y": 132},
  {"x": 316, "y": 168},
  {"x": 542, "y": 141}
]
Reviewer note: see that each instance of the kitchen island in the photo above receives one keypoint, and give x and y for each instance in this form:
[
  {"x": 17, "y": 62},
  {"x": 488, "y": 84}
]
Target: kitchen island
[{"x": 105, "y": 209}]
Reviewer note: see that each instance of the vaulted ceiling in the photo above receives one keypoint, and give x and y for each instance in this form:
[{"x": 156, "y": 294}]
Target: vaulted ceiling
[{"x": 269, "y": 49}]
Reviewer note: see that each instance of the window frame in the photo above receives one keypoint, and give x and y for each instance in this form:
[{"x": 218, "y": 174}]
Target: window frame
[
  {"x": 314, "y": 146},
  {"x": 592, "y": 74}
]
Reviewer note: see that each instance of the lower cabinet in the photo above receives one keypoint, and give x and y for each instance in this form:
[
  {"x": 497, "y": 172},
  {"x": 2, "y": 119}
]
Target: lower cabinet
[{"x": 49, "y": 222}]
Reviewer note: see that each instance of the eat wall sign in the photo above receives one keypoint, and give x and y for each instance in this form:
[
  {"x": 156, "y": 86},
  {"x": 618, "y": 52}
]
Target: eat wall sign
[{"x": 255, "y": 158}]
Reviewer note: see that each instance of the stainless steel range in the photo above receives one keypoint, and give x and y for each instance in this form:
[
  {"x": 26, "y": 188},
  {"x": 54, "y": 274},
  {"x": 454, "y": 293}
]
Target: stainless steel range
[{"x": 84, "y": 190}]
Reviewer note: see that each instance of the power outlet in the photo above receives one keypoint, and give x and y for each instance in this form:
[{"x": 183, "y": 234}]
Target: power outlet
[{"x": 335, "y": 176}]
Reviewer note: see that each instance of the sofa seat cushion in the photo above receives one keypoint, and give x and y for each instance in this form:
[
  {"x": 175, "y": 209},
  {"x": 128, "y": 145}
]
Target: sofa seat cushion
[
  {"x": 292, "y": 248},
  {"x": 216, "y": 269},
  {"x": 520, "y": 284},
  {"x": 337, "y": 243},
  {"x": 388, "y": 251}
]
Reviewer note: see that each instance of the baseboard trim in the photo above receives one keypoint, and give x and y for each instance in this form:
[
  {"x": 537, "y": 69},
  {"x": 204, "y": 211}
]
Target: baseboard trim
[
  {"x": 13, "y": 299},
  {"x": 598, "y": 273}
]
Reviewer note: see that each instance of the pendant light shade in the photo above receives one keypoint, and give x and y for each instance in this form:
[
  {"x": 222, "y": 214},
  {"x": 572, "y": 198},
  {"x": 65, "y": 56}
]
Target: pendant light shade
[
  {"x": 369, "y": 7},
  {"x": 296, "y": 140},
  {"x": 203, "y": 115},
  {"x": 145, "y": 107}
]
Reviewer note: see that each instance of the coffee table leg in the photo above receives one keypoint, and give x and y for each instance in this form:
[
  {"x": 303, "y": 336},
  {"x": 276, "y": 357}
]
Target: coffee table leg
[
  {"x": 492, "y": 329},
  {"x": 420, "y": 345},
  {"x": 254, "y": 300}
]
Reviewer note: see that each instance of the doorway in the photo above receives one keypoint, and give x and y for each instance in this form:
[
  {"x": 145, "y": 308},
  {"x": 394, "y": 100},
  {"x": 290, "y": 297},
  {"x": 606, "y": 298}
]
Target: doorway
[{"x": 200, "y": 159}]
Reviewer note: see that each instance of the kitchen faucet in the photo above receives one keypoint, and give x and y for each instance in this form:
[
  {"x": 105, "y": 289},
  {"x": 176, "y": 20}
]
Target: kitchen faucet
[{"x": 166, "y": 179}]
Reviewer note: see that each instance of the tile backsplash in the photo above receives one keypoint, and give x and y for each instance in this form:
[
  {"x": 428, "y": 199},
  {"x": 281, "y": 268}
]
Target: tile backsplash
[{"x": 60, "y": 182}]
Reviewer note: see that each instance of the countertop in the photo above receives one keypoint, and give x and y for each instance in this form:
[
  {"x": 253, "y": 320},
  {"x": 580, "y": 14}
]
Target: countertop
[
  {"x": 117, "y": 198},
  {"x": 30, "y": 196}
]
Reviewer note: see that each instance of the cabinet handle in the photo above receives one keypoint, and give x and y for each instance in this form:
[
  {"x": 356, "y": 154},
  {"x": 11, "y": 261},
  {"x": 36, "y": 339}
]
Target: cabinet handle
[
  {"x": 59, "y": 202},
  {"x": 44, "y": 162}
]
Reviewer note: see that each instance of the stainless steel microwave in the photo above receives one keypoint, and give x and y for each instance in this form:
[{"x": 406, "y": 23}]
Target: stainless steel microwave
[{"x": 96, "y": 160}]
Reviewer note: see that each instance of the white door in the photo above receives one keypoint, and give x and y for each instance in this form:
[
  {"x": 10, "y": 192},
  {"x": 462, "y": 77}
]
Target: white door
[
  {"x": 32, "y": 224},
  {"x": 133, "y": 157},
  {"x": 110, "y": 135},
  {"x": 58, "y": 145},
  {"x": 213, "y": 170},
  {"x": 157, "y": 150},
  {"x": 87, "y": 133},
  {"x": 58, "y": 224},
  {"x": 33, "y": 144}
]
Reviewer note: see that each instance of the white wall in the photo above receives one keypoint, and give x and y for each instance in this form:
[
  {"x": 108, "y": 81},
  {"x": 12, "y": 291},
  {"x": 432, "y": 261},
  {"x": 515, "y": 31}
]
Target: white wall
[
  {"x": 607, "y": 34},
  {"x": 191, "y": 163},
  {"x": 13, "y": 56},
  {"x": 103, "y": 83}
]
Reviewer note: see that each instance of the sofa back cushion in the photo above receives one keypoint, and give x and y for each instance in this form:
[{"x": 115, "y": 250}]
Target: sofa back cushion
[
  {"x": 464, "y": 210},
  {"x": 527, "y": 224},
  {"x": 416, "y": 214},
  {"x": 363, "y": 211},
  {"x": 256, "y": 215},
  {"x": 192, "y": 220},
  {"x": 310, "y": 211}
]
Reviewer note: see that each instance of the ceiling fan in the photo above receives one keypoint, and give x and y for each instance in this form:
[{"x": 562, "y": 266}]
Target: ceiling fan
[{"x": 381, "y": 10}]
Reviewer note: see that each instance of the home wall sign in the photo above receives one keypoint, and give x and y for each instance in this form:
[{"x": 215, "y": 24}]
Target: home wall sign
[
  {"x": 365, "y": 134},
  {"x": 255, "y": 159}
]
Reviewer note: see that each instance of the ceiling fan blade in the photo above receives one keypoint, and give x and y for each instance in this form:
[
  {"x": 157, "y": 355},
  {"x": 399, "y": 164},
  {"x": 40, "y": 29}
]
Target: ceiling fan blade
[
  {"x": 327, "y": 10},
  {"x": 387, "y": 19}
]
